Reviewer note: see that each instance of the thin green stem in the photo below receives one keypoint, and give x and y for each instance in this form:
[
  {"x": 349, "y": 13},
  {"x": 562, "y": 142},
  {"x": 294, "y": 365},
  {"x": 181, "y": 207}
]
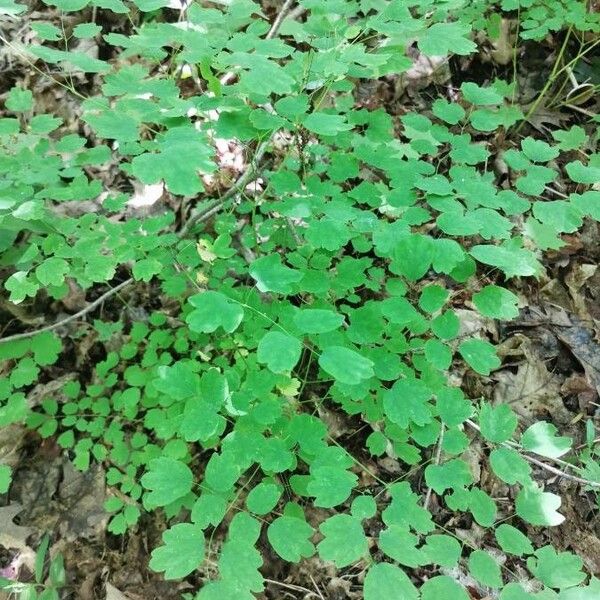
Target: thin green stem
[{"x": 550, "y": 81}]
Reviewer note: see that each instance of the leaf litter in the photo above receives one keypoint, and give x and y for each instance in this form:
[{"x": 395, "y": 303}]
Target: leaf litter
[{"x": 534, "y": 385}]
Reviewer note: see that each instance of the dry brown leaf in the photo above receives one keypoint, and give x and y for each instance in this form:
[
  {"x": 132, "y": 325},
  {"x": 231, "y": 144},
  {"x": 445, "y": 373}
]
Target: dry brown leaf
[
  {"x": 112, "y": 593},
  {"x": 533, "y": 390},
  {"x": 13, "y": 536}
]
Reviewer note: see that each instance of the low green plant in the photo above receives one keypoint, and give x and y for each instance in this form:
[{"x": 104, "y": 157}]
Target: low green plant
[
  {"x": 49, "y": 578},
  {"x": 332, "y": 287}
]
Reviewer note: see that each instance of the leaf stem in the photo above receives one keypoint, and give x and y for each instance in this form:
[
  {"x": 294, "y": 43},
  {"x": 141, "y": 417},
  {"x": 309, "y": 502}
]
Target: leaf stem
[
  {"x": 436, "y": 461},
  {"x": 550, "y": 81},
  {"x": 539, "y": 463}
]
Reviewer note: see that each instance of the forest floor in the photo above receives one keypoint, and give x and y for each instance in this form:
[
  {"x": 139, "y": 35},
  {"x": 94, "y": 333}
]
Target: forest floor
[{"x": 550, "y": 353}]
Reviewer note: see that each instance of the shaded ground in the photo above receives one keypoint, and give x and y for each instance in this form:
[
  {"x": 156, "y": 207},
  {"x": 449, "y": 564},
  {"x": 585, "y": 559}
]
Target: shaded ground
[{"x": 551, "y": 371}]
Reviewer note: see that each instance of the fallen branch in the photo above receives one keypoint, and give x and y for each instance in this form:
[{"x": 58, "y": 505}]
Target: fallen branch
[{"x": 90, "y": 307}]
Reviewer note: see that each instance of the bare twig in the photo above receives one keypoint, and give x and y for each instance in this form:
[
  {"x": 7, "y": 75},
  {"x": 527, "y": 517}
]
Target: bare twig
[
  {"x": 541, "y": 464},
  {"x": 199, "y": 217},
  {"x": 207, "y": 211},
  {"x": 202, "y": 215},
  {"x": 316, "y": 586},
  {"x": 436, "y": 461},
  {"x": 283, "y": 13},
  {"x": 90, "y": 307},
  {"x": 291, "y": 586}
]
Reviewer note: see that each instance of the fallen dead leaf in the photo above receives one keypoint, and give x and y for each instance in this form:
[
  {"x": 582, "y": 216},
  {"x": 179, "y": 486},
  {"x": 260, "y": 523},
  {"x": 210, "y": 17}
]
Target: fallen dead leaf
[
  {"x": 13, "y": 536},
  {"x": 532, "y": 390},
  {"x": 112, "y": 593},
  {"x": 580, "y": 341},
  {"x": 575, "y": 280}
]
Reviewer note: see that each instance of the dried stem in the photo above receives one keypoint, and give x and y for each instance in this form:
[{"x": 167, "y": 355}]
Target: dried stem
[
  {"x": 84, "y": 311},
  {"x": 541, "y": 464}
]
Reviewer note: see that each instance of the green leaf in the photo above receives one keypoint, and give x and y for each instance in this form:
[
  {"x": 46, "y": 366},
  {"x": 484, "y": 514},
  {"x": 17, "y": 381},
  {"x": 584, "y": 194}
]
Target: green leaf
[
  {"x": 405, "y": 510},
  {"x": 538, "y": 150},
  {"x": 11, "y": 8},
  {"x": 442, "y": 550},
  {"x": 271, "y": 276},
  {"x": 168, "y": 480},
  {"x": 364, "y": 507},
  {"x": 443, "y": 586},
  {"x": 444, "y": 38},
  {"x": 209, "y": 509},
  {"x": 452, "y": 475},
  {"x": 588, "y": 592},
  {"x": 331, "y": 485},
  {"x": 579, "y": 173},
  {"x": 482, "y": 507},
  {"x": 345, "y": 365},
  {"x": 214, "y": 310},
  {"x": 388, "y": 582},
  {"x": 510, "y": 466},
  {"x": 452, "y": 406},
  {"x": 183, "y": 153},
  {"x": 399, "y": 544},
  {"x": 52, "y": 271},
  {"x": 325, "y": 124},
  {"x": 86, "y": 30},
  {"x": 485, "y": 569},
  {"x": 498, "y": 423},
  {"x": 479, "y": 355},
  {"x": 317, "y": 320},
  {"x": 13, "y": 410},
  {"x": 485, "y": 119},
  {"x": 511, "y": 261},
  {"x": 46, "y": 348},
  {"x": 438, "y": 354},
  {"x": 19, "y": 100},
  {"x": 413, "y": 255},
  {"x": 570, "y": 139},
  {"x": 432, "y": 298},
  {"x": 25, "y": 373},
  {"x": 541, "y": 438},
  {"x": 178, "y": 381},
  {"x": 44, "y": 124},
  {"x": 556, "y": 569},
  {"x": 182, "y": 552},
  {"x": 451, "y": 112},
  {"x": 239, "y": 560},
  {"x": 512, "y": 541},
  {"x": 537, "y": 507},
  {"x": 446, "y": 325},
  {"x": 20, "y": 287},
  {"x": 69, "y": 5},
  {"x": 496, "y": 302},
  {"x": 406, "y": 402},
  {"x": 116, "y": 125},
  {"x": 480, "y": 96},
  {"x": 344, "y": 540},
  {"x": 279, "y": 351},
  {"x": 5, "y": 478},
  {"x": 290, "y": 538},
  {"x": 223, "y": 470},
  {"x": 146, "y": 268},
  {"x": 263, "y": 498}
]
